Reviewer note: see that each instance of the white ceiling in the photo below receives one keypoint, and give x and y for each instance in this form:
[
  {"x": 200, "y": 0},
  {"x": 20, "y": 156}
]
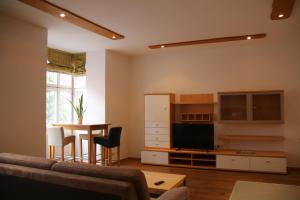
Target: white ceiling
[{"x": 148, "y": 22}]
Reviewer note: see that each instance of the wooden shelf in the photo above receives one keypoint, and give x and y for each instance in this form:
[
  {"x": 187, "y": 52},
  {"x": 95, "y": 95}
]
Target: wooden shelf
[
  {"x": 232, "y": 152},
  {"x": 251, "y": 138}
]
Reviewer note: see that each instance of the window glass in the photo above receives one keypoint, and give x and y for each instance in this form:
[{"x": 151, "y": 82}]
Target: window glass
[
  {"x": 65, "y": 80},
  {"x": 52, "y": 78},
  {"x": 65, "y": 107},
  {"x": 51, "y": 106}
]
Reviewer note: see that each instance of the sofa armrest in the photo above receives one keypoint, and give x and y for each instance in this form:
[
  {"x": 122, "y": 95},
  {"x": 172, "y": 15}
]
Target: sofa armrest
[{"x": 180, "y": 193}]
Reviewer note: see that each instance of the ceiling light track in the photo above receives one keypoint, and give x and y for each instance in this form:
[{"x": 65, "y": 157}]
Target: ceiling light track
[
  {"x": 73, "y": 18},
  {"x": 208, "y": 41}
]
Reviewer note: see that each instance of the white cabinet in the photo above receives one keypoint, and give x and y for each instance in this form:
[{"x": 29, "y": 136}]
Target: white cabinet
[
  {"x": 153, "y": 157},
  {"x": 268, "y": 164},
  {"x": 233, "y": 162},
  {"x": 157, "y": 108},
  {"x": 157, "y": 120},
  {"x": 260, "y": 164}
]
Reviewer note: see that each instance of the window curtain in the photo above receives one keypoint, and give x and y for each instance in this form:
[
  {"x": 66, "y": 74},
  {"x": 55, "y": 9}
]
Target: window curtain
[{"x": 65, "y": 62}]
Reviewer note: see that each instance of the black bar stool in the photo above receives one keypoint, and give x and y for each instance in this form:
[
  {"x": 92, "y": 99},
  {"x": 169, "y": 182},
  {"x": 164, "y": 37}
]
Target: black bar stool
[{"x": 110, "y": 141}]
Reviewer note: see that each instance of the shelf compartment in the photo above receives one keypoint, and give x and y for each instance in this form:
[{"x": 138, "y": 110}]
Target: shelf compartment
[
  {"x": 181, "y": 155},
  {"x": 203, "y": 163},
  {"x": 196, "y": 117},
  {"x": 180, "y": 162},
  {"x": 251, "y": 138},
  {"x": 204, "y": 157}
]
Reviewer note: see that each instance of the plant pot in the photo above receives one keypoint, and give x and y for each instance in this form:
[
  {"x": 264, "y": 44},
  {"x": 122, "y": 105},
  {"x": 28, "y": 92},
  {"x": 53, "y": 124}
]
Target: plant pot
[{"x": 80, "y": 120}]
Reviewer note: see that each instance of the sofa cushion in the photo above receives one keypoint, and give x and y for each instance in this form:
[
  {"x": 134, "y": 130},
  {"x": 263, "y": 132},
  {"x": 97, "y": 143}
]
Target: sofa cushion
[
  {"x": 28, "y": 161},
  {"x": 181, "y": 193},
  {"x": 134, "y": 176},
  {"x": 112, "y": 188}
]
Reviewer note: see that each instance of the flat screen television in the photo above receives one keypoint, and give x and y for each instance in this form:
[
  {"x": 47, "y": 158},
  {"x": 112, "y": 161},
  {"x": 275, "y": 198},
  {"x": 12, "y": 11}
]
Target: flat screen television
[{"x": 193, "y": 136}]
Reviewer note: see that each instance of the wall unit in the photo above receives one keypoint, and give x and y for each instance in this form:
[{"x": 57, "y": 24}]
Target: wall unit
[
  {"x": 161, "y": 111},
  {"x": 257, "y": 106}
]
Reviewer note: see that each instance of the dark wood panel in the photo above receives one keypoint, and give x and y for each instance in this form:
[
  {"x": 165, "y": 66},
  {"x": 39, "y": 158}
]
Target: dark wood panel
[
  {"x": 207, "y": 41},
  {"x": 73, "y": 18}
]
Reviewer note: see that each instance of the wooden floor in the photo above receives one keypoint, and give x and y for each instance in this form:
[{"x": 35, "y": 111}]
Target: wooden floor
[{"x": 215, "y": 184}]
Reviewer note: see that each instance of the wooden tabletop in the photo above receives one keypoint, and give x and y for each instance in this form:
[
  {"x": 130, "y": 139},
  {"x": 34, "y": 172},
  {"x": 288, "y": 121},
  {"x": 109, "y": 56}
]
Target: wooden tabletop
[
  {"x": 82, "y": 126},
  {"x": 171, "y": 181}
]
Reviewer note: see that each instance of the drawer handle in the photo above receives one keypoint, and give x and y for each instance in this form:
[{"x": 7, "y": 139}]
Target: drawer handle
[
  {"x": 154, "y": 155},
  {"x": 156, "y": 131},
  {"x": 268, "y": 161},
  {"x": 232, "y": 160}
]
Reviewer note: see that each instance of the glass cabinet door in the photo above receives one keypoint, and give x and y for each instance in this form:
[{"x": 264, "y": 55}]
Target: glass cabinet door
[
  {"x": 266, "y": 106},
  {"x": 233, "y": 107}
]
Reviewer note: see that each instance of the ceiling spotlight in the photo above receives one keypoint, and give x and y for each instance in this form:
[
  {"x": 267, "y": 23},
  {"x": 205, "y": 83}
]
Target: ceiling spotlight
[
  {"x": 162, "y": 46},
  {"x": 62, "y": 15},
  {"x": 113, "y": 37},
  {"x": 249, "y": 37},
  {"x": 281, "y": 15}
]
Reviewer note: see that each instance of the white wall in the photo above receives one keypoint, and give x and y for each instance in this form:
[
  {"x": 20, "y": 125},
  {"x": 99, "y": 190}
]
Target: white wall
[
  {"x": 264, "y": 64},
  {"x": 95, "y": 87},
  {"x": 23, "y": 87},
  {"x": 117, "y": 95}
]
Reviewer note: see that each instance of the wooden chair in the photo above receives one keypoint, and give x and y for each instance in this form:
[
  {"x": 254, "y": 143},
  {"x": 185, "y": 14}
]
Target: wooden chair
[
  {"x": 109, "y": 142},
  {"x": 56, "y": 138}
]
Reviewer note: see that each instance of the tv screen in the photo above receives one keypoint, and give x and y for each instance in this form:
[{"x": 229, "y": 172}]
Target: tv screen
[{"x": 193, "y": 136}]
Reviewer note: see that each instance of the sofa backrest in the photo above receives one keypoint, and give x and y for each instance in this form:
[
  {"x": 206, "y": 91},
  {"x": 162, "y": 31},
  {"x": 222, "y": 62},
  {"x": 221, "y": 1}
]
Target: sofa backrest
[
  {"x": 28, "y": 161},
  {"x": 133, "y": 176},
  {"x": 19, "y": 182},
  {"x": 18, "y": 172}
]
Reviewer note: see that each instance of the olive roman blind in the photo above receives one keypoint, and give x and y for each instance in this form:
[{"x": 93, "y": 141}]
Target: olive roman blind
[{"x": 65, "y": 62}]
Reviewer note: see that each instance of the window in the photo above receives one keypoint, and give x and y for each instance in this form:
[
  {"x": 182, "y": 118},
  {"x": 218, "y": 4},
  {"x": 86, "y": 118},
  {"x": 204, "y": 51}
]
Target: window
[{"x": 62, "y": 88}]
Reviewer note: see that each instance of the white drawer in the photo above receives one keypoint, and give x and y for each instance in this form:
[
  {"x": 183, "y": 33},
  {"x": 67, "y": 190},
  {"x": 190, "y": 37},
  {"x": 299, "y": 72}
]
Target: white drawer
[
  {"x": 154, "y": 157},
  {"x": 268, "y": 164},
  {"x": 157, "y": 144},
  {"x": 157, "y": 124},
  {"x": 157, "y": 138},
  {"x": 233, "y": 162},
  {"x": 159, "y": 131}
]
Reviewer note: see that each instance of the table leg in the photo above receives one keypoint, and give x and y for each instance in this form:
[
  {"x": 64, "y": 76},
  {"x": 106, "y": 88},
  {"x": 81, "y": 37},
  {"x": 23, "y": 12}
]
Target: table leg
[{"x": 90, "y": 147}]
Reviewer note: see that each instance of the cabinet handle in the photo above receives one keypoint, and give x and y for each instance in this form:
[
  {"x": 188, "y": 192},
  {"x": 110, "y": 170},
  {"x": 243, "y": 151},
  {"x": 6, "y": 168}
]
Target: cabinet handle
[
  {"x": 232, "y": 160},
  {"x": 154, "y": 155},
  {"x": 268, "y": 161}
]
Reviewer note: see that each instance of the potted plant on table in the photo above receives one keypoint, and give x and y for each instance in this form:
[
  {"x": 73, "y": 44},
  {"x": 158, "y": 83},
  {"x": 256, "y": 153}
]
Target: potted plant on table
[{"x": 79, "y": 109}]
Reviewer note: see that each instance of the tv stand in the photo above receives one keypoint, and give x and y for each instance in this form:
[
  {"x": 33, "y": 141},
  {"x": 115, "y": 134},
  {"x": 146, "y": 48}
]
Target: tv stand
[{"x": 253, "y": 161}]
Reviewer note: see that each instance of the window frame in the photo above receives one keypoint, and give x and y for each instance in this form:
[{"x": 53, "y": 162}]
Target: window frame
[{"x": 58, "y": 88}]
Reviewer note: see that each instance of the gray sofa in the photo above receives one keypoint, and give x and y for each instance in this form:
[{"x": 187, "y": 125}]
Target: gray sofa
[{"x": 27, "y": 177}]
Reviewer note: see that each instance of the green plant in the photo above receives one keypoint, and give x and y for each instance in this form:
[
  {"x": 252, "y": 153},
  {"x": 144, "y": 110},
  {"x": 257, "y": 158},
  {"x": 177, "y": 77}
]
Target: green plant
[{"x": 79, "y": 108}]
